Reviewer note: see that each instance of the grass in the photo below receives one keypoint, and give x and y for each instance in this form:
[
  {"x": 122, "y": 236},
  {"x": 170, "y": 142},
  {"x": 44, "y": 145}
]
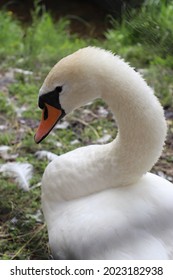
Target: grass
[{"x": 23, "y": 234}]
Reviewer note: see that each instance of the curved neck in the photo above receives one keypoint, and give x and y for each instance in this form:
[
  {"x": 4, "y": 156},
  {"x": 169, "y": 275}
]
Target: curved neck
[{"x": 141, "y": 124}]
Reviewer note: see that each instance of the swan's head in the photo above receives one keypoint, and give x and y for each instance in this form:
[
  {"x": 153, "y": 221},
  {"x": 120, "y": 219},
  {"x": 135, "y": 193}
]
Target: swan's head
[{"x": 70, "y": 84}]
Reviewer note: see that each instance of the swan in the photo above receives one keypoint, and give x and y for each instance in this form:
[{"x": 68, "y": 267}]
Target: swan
[{"x": 101, "y": 201}]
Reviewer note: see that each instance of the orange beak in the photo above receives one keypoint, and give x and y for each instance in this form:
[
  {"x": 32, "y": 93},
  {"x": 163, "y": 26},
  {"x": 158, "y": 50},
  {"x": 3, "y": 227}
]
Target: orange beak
[{"x": 50, "y": 116}]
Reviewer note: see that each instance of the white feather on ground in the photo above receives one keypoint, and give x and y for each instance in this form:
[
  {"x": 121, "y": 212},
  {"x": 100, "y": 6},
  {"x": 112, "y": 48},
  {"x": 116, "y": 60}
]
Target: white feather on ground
[
  {"x": 21, "y": 172},
  {"x": 5, "y": 153},
  {"x": 46, "y": 155}
]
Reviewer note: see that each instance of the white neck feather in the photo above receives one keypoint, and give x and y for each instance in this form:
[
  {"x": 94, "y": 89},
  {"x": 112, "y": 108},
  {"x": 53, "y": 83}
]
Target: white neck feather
[{"x": 141, "y": 124}]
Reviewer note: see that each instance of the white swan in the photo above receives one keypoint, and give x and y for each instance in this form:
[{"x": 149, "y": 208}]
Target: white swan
[{"x": 99, "y": 202}]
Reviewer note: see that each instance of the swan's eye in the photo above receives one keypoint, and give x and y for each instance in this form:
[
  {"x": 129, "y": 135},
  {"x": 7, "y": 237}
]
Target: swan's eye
[{"x": 58, "y": 89}]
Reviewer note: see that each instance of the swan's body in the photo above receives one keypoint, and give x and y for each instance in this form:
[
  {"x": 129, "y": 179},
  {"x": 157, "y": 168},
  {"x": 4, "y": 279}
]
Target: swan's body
[{"x": 99, "y": 202}]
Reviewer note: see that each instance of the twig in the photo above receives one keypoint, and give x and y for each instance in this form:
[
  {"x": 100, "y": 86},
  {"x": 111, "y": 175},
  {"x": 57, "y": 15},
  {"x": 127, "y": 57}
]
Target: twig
[
  {"x": 86, "y": 124},
  {"x": 20, "y": 250}
]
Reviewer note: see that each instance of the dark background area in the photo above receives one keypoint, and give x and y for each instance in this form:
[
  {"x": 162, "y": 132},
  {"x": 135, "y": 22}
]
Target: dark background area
[{"x": 87, "y": 17}]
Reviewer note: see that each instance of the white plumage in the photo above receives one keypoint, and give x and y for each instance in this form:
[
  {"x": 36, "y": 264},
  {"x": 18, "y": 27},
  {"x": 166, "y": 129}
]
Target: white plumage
[
  {"x": 45, "y": 154},
  {"x": 99, "y": 202},
  {"x": 21, "y": 172}
]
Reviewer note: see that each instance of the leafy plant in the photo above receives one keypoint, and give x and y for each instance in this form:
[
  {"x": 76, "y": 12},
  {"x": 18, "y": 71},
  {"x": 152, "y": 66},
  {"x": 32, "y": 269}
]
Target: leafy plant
[
  {"x": 11, "y": 36},
  {"x": 47, "y": 41},
  {"x": 144, "y": 33},
  {"x": 153, "y": 27}
]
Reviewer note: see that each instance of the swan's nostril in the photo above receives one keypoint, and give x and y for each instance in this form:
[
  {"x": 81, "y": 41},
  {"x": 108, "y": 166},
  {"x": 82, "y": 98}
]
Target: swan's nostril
[{"x": 45, "y": 112}]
